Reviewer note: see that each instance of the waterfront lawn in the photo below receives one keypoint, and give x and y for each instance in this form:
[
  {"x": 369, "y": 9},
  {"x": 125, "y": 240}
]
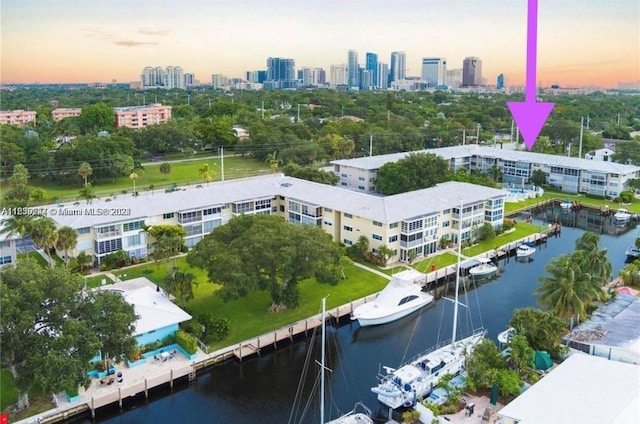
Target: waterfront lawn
[
  {"x": 440, "y": 261},
  {"x": 522, "y": 229},
  {"x": 182, "y": 173},
  {"x": 250, "y": 317},
  {"x": 96, "y": 281},
  {"x": 9, "y": 393}
]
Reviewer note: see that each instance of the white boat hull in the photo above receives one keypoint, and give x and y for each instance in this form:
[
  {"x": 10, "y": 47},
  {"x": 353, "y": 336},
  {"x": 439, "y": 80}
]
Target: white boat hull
[
  {"x": 414, "y": 380},
  {"x": 371, "y": 317}
]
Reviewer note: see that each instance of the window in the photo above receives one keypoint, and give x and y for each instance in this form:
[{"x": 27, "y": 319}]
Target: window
[
  {"x": 343, "y": 183},
  {"x": 361, "y": 178},
  {"x": 328, "y": 210},
  {"x": 376, "y": 237},
  {"x": 132, "y": 226},
  {"x": 393, "y": 239},
  {"x": 211, "y": 211},
  {"x": 263, "y": 204},
  {"x": 185, "y": 218},
  {"x": 168, "y": 215},
  {"x": 377, "y": 224},
  {"x": 393, "y": 225},
  {"x": 347, "y": 228},
  {"x": 5, "y": 260},
  {"x": 134, "y": 240},
  {"x": 348, "y": 215},
  {"x": 83, "y": 230},
  {"x": 328, "y": 223},
  {"x": 361, "y": 188},
  {"x": 407, "y": 299},
  {"x": 208, "y": 226},
  {"x": 347, "y": 242},
  {"x": 108, "y": 246}
]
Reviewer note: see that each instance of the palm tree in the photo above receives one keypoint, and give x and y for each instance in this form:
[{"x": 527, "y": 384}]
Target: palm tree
[
  {"x": 205, "y": 171},
  {"x": 165, "y": 168},
  {"x": 598, "y": 263},
  {"x": 133, "y": 176},
  {"x": 83, "y": 261},
  {"x": 273, "y": 161},
  {"x": 67, "y": 240},
  {"x": 384, "y": 252},
  {"x": 45, "y": 235},
  {"x": 18, "y": 225},
  {"x": 84, "y": 171},
  {"x": 569, "y": 288},
  {"x": 88, "y": 192},
  {"x": 180, "y": 284}
]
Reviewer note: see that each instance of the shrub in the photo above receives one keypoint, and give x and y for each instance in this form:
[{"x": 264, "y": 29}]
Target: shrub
[
  {"x": 116, "y": 260},
  {"x": 192, "y": 326},
  {"x": 626, "y": 196},
  {"x": 218, "y": 329},
  {"x": 486, "y": 232},
  {"x": 187, "y": 342},
  {"x": 508, "y": 224},
  {"x": 617, "y": 200}
]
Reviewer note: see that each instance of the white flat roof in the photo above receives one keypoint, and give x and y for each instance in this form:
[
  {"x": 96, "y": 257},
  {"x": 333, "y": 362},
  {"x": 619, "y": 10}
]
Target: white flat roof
[
  {"x": 153, "y": 308},
  {"x": 375, "y": 162},
  {"x": 583, "y": 389},
  {"x": 377, "y": 208}
]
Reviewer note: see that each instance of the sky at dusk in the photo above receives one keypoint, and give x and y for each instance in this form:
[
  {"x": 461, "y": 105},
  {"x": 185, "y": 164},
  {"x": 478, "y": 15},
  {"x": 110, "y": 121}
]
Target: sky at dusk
[{"x": 580, "y": 42}]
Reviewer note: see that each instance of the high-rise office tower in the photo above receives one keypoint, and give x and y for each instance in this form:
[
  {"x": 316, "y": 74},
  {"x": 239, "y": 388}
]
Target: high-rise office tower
[
  {"x": 371, "y": 65},
  {"x": 383, "y": 76},
  {"x": 353, "y": 69},
  {"x": 471, "y": 72},
  {"x": 319, "y": 76},
  {"x": 282, "y": 72},
  {"x": 189, "y": 79},
  {"x": 434, "y": 71},
  {"x": 398, "y": 67},
  {"x": 500, "y": 82},
  {"x": 306, "y": 76},
  {"x": 219, "y": 80},
  {"x": 338, "y": 75}
]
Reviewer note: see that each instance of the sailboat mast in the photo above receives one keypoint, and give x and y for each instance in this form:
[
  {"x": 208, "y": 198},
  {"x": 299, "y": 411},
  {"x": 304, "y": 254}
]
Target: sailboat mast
[
  {"x": 324, "y": 301},
  {"x": 455, "y": 299}
]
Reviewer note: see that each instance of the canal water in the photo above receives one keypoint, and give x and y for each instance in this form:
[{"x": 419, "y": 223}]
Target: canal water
[{"x": 263, "y": 390}]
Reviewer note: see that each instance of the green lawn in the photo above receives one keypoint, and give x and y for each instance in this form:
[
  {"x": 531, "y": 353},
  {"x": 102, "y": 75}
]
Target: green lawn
[
  {"x": 8, "y": 391},
  {"x": 250, "y": 316},
  {"x": 96, "y": 281},
  {"x": 34, "y": 256},
  {"x": 522, "y": 230},
  {"x": 440, "y": 261},
  {"x": 182, "y": 173}
]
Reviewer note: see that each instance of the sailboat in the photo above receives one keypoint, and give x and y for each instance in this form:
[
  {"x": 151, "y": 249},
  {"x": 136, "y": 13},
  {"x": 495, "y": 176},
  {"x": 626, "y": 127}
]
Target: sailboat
[
  {"x": 351, "y": 417},
  {"x": 416, "y": 378}
]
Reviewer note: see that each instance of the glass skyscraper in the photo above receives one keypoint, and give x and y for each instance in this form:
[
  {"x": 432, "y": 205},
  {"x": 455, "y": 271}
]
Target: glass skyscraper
[{"x": 371, "y": 65}]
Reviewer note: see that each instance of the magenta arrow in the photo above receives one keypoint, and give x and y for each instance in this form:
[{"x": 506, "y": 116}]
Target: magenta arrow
[{"x": 529, "y": 115}]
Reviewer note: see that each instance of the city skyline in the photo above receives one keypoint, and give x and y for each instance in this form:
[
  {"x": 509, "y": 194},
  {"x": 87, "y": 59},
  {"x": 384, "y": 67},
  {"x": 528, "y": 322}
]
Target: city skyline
[{"x": 580, "y": 43}]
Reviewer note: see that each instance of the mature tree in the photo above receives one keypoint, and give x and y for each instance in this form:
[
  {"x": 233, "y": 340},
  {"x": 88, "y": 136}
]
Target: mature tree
[
  {"x": 85, "y": 171},
  {"x": 627, "y": 152},
  {"x": 81, "y": 263},
  {"x": 253, "y": 252},
  {"x": 50, "y": 332},
  {"x": 97, "y": 117},
  {"x": 180, "y": 284},
  {"x": 18, "y": 225},
  {"x": 11, "y": 156},
  {"x": 311, "y": 173},
  {"x": 66, "y": 240},
  {"x": 538, "y": 177},
  {"x": 19, "y": 192},
  {"x": 522, "y": 356},
  {"x": 45, "y": 235},
  {"x": 165, "y": 168},
  {"x": 168, "y": 241},
  {"x": 483, "y": 364},
  {"x": 543, "y": 330},
  {"x": 597, "y": 263},
  {"x": 416, "y": 171}
]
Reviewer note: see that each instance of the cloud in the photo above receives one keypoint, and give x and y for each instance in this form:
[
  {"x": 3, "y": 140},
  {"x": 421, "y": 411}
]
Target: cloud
[
  {"x": 133, "y": 43},
  {"x": 95, "y": 32},
  {"x": 153, "y": 31}
]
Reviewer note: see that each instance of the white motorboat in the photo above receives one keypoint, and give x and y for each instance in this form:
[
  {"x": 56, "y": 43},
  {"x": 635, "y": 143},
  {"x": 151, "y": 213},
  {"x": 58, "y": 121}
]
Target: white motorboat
[
  {"x": 566, "y": 204},
  {"x": 402, "y": 296},
  {"x": 633, "y": 253},
  {"x": 525, "y": 250},
  {"x": 505, "y": 337},
  {"x": 484, "y": 269},
  {"x": 415, "y": 379},
  {"x": 622, "y": 216}
]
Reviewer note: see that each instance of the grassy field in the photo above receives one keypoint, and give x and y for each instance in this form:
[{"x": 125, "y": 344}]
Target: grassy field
[
  {"x": 8, "y": 391},
  {"x": 39, "y": 402},
  {"x": 440, "y": 261},
  {"x": 182, "y": 173}
]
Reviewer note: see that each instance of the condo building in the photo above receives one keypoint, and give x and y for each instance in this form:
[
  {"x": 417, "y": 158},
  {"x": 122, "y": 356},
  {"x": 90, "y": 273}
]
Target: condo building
[
  {"x": 60, "y": 113},
  {"x": 138, "y": 117},
  {"x": 17, "y": 117},
  {"x": 410, "y": 224},
  {"x": 571, "y": 175}
]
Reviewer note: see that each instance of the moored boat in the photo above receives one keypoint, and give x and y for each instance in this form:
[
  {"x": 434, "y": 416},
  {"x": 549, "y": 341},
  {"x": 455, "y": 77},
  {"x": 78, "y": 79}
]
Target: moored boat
[
  {"x": 622, "y": 216},
  {"x": 525, "y": 250},
  {"x": 402, "y": 296},
  {"x": 484, "y": 269}
]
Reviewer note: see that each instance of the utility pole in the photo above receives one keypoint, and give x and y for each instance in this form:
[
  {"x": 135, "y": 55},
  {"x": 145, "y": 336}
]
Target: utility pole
[
  {"x": 370, "y": 145},
  {"x": 189, "y": 99},
  {"x": 263, "y": 110},
  {"x": 298, "y": 113},
  {"x": 478, "y": 135},
  {"x": 209, "y": 102},
  {"x": 618, "y": 119},
  {"x": 581, "y": 134},
  {"x": 588, "y": 119},
  {"x": 464, "y": 136},
  {"x": 511, "y": 133},
  {"x": 222, "y": 163}
]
